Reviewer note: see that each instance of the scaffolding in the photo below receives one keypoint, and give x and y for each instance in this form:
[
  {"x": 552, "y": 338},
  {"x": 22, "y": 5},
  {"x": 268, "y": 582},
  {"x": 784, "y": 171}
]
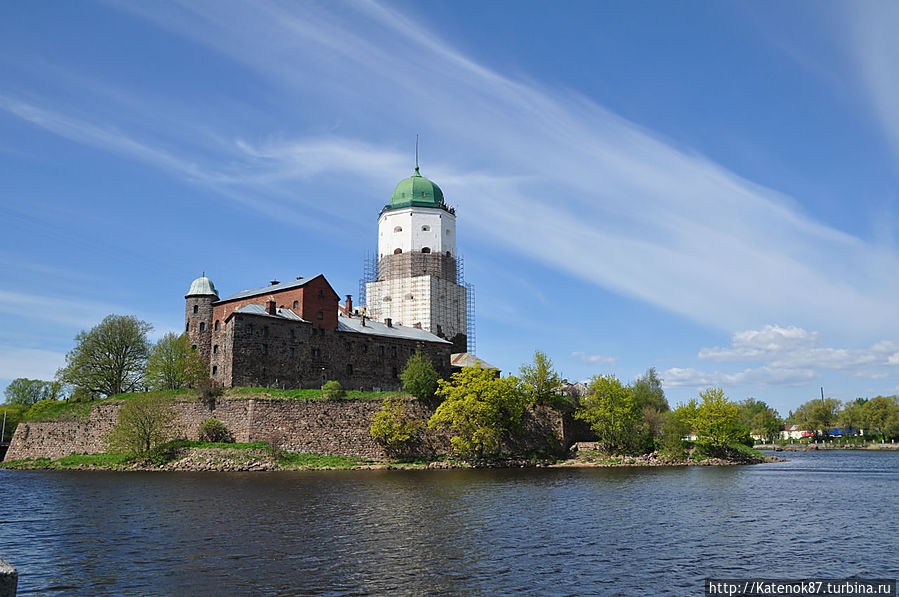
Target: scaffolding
[
  {"x": 469, "y": 302},
  {"x": 369, "y": 274}
]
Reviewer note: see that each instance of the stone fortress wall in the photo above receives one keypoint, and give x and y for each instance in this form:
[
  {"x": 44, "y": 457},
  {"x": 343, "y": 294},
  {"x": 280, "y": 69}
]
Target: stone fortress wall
[{"x": 339, "y": 427}]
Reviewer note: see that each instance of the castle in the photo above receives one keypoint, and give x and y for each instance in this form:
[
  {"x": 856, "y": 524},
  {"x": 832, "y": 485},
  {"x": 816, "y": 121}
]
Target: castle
[{"x": 296, "y": 334}]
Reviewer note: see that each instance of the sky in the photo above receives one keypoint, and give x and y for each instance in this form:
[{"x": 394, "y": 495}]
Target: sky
[{"x": 705, "y": 188}]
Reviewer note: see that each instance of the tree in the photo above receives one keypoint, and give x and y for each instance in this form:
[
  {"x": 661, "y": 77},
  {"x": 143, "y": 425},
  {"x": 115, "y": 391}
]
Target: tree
[
  {"x": 648, "y": 392},
  {"x": 881, "y": 414},
  {"x": 539, "y": 381},
  {"x": 676, "y": 426},
  {"x": 144, "y": 422},
  {"x": 482, "y": 410},
  {"x": 716, "y": 418},
  {"x": 613, "y": 415},
  {"x": 394, "y": 426},
  {"x": 759, "y": 419},
  {"x": 818, "y": 415},
  {"x": 172, "y": 364},
  {"x": 110, "y": 358},
  {"x": 852, "y": 417},
  {"x": 30, "y": 391},
  {"x": 419, "y": 376}
]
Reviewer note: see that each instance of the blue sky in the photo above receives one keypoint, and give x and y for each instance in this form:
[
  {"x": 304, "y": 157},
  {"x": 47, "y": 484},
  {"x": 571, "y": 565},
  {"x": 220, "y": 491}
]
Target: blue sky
[{"x": 706, "y": 188}]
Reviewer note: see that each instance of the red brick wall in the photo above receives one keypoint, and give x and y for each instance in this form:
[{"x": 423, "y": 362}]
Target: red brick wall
[{"x": 313, "y": 297}]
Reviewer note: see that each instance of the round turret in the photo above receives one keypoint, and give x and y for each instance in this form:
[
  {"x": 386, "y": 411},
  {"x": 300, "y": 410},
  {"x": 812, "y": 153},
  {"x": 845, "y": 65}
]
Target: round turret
[{"x": 202, "y": 286}]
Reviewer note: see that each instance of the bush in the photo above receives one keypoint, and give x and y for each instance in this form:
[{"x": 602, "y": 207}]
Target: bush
[
  {"x": 394, "y": 427},
  {"x": 144, "y": 422},
  {"x": 167, "y": 452},
  {"x": 332, "y": 390},
  {"x": 213, "y": 430},
  {"x": 419, "y": 377},
  {"x": 207, "y": 388}
]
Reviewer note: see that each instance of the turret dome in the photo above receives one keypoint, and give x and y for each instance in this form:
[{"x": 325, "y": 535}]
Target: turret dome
[
  {"x": 416, "y": 191},
  {"x": 202, "y": 286}
]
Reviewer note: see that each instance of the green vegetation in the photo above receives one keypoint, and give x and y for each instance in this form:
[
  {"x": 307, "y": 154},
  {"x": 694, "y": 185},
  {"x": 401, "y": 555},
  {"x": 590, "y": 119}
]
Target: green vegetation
[
  {"x": 109, "y": 359},
  {"x": 716, "y": 419},
  {"x": 394, "y": 427},
  {"x": 14, "y": 413},
  {"x": 25, "y": 392},
  {"x": 539, "y": 381},
  {"x": 482, "y": 411},
  {"x": 172, "y": 364},
  {"x": 419, "y": 377},
  {"x": 614, "y": 416},
  {"x": 332, "y": 390},
  {"x": 213, "y": 430},
  {"x": 818, "y": 415},
  {"x": 144, "y": 422},
  {"x": 759, "y": 419}
]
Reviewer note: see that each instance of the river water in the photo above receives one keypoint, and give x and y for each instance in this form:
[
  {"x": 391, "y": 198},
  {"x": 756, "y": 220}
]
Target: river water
[{"x": 621, "y": 531}]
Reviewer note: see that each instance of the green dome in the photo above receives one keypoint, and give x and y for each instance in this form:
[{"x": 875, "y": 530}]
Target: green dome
[{"x": 416, "y": 191}]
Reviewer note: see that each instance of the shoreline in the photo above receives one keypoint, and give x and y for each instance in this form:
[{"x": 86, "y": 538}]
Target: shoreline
[{"x": 828, "y": 446}]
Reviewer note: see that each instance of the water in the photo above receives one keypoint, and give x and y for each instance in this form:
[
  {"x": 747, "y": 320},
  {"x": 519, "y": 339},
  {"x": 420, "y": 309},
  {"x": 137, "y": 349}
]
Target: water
[{"x": 534, "y": 531}]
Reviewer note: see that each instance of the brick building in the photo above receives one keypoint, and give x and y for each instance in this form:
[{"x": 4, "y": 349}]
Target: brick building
[{"x": 296, "y": 335}]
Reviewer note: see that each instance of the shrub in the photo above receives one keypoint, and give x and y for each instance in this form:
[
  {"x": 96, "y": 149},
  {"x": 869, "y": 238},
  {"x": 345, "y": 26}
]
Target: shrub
[
  {"x": 332, "y": 390},
  {"x": 394, "y": 427},
  {"x": 207, "y": 388},
  {"x": 144, "y": 422},
  {"x": 419, "y": 377},
  {"x": 213, "y": 430}
]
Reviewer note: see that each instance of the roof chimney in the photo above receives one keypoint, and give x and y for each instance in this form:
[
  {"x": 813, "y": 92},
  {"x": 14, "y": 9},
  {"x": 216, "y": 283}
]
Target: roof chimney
[
  {"x": 271, "y": 308},
  {"x": 274, "y": 282},
  {"x": 363, "y": 321},
  {"x": 389, "y": 322},
  {"x": 348, "y": 306}
]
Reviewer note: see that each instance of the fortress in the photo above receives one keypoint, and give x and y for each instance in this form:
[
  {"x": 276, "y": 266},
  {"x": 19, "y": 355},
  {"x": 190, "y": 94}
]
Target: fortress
[{"x": 296, "y": 334}]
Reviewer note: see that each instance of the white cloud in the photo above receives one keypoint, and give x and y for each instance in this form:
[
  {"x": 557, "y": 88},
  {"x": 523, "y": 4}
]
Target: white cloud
[
  {"x": 594, "y": 359},
  {"x": 762, "y": 376}
]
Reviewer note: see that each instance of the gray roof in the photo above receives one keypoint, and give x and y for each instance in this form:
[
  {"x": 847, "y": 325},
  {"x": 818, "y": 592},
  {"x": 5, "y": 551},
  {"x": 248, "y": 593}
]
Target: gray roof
[
  {"x": 375, "y": 328},
  {"x": 282, "y": 313},
  {"x": 270, "y": 288},
  {"x": 202, "y": 286},
  {"x": 466, "y": 359}
]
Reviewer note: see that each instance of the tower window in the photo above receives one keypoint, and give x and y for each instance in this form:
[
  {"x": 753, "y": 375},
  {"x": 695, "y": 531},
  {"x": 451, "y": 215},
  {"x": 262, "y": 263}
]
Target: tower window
[
  {"x": 215, "y": 369},
  {"x": 397, "y": 251},
  {"x": 296, "y": 304},
  {"x": 425, "y": 228},
  {"x": 187, "y": 327},
  {"x": 321, "y": 294},
  {"x": 193, "y": 346},
  {"x": 265, "y": 349},
  {"x": 448, "y": 254},
  {"x": 217, "y": 325},
  {"x": 426, "y": 249},
  {"x": 349, "y": 369},
  {"x": 447, "y": 231},
  {"x": 398, "y": 229},
  {"x": 202, "y": 326},
  {"x": 215, "y": 349},
  {"x": 321, "y": 315},
  {"x": 196, "y": 309},
  {"x": 265, "y": 330},
  {"x": 293, "y": 352}
]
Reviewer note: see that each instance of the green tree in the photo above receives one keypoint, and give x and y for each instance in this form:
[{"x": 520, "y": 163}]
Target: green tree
[
  {"x": 716, "y": 418},
  {"x": 394, "y": 426},
  {"x": 677, "y": 425},
  {"x": 419, "y": 376},
  {"x": 818, "y": 415},
  {"x": 759, "y": 419},
  {"x": 648, "y": 392},
  {"x": 172, "y": 364},
  {"x": 483, "y": 411},
  {"x": 110, "y": 358},
  {"x": 14, "y": 414},
  {"x": 881, "y": 415},
  {"x": 539, "y": 381},
  {"x": 613, "y": 415},
  {"x": 852, "y": 416},
  {"x": 30, "y": 391},
  {"x": 144, "y": 422}
]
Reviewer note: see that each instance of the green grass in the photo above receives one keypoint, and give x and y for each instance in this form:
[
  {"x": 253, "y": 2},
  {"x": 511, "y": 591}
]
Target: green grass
[{"x": 72, "y": 461}]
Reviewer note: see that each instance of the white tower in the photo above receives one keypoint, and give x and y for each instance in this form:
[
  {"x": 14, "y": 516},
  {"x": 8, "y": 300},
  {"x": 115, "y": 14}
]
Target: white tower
[{"x": 416, "y": 284}]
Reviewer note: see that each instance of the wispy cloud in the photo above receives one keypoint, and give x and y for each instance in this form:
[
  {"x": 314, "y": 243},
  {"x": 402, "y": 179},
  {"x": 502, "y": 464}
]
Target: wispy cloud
[
  {"x": 569, "y": 183},
  {"x": 789, "y": 356},
  {"x": 28, "y": 362},
  {"x": 594, "y": 359}
]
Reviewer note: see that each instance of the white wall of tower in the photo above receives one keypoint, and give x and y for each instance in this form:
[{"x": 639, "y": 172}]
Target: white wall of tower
[{"x": 416, "y": 228}]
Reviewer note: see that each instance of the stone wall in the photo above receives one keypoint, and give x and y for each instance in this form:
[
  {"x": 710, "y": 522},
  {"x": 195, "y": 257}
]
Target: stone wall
[{"x": 325, "y": 427}]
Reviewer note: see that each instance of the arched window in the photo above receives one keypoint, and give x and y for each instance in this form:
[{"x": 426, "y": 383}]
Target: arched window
[
  {"x": 296, "y": 304},
  {"x": 196, "y": 309},
  {"x": 448, "y": 254},
  {"x": 217, "y": 325},
  {"x": 215, "y": 369},
  {"x": 215, "y": 349},
  {"x": 426, "y": 249},
  {"x": 397, "y": 251},
  {"x": 425, "y": 228},
  {"x": 202, "y": 326},
  {"x": 187, "y": 327},
  {"x": 398, "y": 229}
]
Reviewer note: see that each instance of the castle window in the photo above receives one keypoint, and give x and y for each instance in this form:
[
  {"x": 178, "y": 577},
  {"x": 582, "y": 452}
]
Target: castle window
[
  {"x": 265, "y": 349},
  {"x": 293, "y": 335},
  {"x": 425, "y": 228},
  {"x": 265, "y": 330},
  {"x": 365, "y": 348},
  {"x": 321, "y": 315},
  {"x": 393, "y": 372},
  {"x": 293, "y": 352},
  {"x": 397, "y": 251},
  {"x": 296, "y": 304},
  {"x": 193, "y": 346},
  {"x": 398, "y": 229},
  {"x": 187, "y": 327},
  {"x": 316, "y": 352},
  {"x": 381, "y": 350},
  {"x": 422, "y": 193},
  {"x": 348, "y": 347},
  {"x": 215, "y": 369},
  {"x": 426, "y": 249},
  {"x": 321, "y": 294},
  {"x": 196, "y": 309},
  {"x": 448, "y": 254},
  {"x": 202, "y": 326},
  {"x": 217, "y": 325},
  {"x": 447, "y": 231},
  {"x": 215, "y": 349},
  {"x": 349, "y": 369},
  {"x": 393, "y": 351}
]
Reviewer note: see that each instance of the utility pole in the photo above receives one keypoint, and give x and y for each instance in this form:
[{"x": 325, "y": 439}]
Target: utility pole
[
  {"x": 822, "y": 393},
  {"x": 3, "y": 430}
]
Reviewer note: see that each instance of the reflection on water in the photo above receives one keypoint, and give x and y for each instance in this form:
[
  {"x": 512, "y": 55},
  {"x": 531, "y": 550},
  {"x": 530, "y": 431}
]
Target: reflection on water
[{"x": 535, "y": 531}]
